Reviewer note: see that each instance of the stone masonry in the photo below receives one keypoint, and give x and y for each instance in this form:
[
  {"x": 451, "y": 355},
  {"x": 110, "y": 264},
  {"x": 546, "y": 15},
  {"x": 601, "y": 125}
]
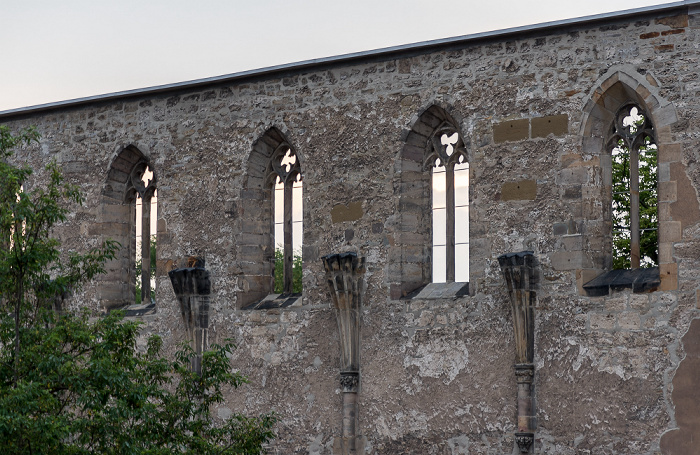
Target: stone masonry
[{"x": 613, "y": 374}]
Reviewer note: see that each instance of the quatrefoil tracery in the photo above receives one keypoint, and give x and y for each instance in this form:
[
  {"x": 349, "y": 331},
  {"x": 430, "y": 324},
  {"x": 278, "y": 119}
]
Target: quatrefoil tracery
[
  {"x": 447, "y": 147},
  {"x": 632, "y": 126},
  {"x": 136, "y": 183},
  {"x": 284, "y": 165}
]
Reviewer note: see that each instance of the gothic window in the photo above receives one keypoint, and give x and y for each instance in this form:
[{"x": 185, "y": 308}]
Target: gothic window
[
  {"x": 634, "y": 189},
  {"x": 269, "y": 242},
  {"x": 450, "y": 206},
  {"x": 288, "y": 219},
  {"x": 431, "y": 239},
  {"x": 631, "y": 238},
  {"x": 128, "y": 216}
]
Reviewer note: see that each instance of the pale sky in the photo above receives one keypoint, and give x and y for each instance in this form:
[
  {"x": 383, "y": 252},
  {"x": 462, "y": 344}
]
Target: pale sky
[{"x": 57, "y": 50}]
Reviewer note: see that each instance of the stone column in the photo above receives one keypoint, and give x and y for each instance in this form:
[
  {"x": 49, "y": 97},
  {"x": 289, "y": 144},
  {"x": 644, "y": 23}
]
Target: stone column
[
  {"x": 521, "y": 273},
  {"x": 344, "y": 273},
  {"x": 192, "y": 287}
]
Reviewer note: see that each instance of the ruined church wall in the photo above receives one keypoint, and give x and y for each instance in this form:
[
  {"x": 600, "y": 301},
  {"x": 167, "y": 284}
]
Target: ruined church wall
[{"x": 437, "y": 373}]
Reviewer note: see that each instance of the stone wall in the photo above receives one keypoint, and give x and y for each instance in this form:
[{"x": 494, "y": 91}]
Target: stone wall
[{"x": 437, "y": 368}]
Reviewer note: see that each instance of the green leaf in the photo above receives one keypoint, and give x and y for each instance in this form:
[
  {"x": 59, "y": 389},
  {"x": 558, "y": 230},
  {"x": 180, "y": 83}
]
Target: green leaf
[{"x": 73, "y": 385}]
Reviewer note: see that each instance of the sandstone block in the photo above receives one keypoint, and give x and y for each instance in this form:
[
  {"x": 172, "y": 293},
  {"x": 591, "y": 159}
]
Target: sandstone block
[
  {"x": 350, "y": 212},
  {"x": 569, "y": 260},
  {"x": 523, "y": 190},
  {"x": 667, "y": 191},
  {"x": 572, "y": 242},
  {"x": 669, "y": 231},
  {"x": 669, "y": 276},
  {"x": 512, "y": 130},
  {"x": 573, "y": 176},
  {"x": 558, "y": 125},
  {"x": 669, "y": 153},
  {"x": 685, "y": 209}
]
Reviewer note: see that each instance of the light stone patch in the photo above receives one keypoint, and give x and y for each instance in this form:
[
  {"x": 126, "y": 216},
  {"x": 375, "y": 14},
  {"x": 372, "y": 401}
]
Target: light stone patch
[{"x": 439, "y": 358}]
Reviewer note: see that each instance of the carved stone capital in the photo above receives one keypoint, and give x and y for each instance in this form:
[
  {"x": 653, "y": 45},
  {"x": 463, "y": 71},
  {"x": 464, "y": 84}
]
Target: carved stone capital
[
  {"x": 524, "y": 441},
  {"x": 345, "y": 273},
  {"x": 350, "y": 381},
  {"x": 524, "y": 372},
  {"x": 192, "y": 287},
  {"x": 521, "y": 274}
]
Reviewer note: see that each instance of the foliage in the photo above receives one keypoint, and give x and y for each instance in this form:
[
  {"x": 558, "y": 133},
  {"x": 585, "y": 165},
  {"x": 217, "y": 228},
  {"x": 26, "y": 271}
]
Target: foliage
[
  {"x": 84, "y": 388},
  {"x": 648, "y": 215},
  {"x": 72, "y": 386},
  {"x": 139, "y": 265},
  {"x": 279, "y": 272},
  {"x": 32, "y": 272}
]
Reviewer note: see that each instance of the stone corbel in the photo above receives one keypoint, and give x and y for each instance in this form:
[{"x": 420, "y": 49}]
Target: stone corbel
[
  {"x": 521, "y": 273},
  {"x": 344, "y": 273},
  {"x": 192, "y": 287}
]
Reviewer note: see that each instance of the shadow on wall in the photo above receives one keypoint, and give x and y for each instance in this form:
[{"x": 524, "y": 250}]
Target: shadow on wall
[{"x": 686, "y": 397}]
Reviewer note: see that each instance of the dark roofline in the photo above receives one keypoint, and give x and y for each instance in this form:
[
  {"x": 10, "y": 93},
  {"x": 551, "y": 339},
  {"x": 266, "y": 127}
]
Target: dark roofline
[{"x": 405, "y": 49}]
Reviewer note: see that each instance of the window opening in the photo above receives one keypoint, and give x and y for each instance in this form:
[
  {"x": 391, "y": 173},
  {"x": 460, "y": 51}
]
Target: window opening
[
  {"x": 439, "y": 223},
  {"x": 15, "y": 224},
  {"x": 450, "y": 207},
  {"x": 634, "y": 190},
  {"x": 145, "y": 225},
  {"x": 461, "y": 183},
  {"x": 288, "y": 220}
]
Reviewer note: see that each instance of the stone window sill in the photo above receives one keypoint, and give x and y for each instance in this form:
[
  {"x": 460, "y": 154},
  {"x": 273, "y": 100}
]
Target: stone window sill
[
  {"x": 638, "y": 280},
  {"x": 139, "y": 310},
  {"x": 434, "y": 291},
  {"x": 275, "y": 301}
]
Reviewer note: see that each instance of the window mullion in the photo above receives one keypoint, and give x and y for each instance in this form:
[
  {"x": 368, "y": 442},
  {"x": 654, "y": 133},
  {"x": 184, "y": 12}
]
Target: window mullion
[
  {"x": 450, "y": 212},
  {"x": 634, "y": 207},
  {"x": 146, "y": 248},
  {"x": 288, "y": 251}
]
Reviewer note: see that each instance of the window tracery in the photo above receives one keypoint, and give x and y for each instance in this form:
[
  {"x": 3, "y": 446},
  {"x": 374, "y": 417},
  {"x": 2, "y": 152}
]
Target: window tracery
[{"x": 450, "y": 205}]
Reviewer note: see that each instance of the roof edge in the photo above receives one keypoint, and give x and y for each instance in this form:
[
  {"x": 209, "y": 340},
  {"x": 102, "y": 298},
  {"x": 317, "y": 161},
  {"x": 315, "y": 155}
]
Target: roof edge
[{"x": 386, "y": 51}]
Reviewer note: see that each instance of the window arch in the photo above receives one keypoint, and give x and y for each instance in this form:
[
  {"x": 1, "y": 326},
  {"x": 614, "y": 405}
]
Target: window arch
[
  {"x": 426, "y": 246},
  {"x": 611, "y": 131},
  {"x": 129, "y": 192},
  {"x": 270, "y": 240}
]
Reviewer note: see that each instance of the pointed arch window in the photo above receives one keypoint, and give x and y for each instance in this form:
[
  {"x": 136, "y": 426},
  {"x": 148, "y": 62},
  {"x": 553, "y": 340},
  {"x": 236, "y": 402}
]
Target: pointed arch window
[
  {"x": 634, "y": 248},
  {"x": 145, "y": 216},
  {"x": 450, "y": 205},
  {"x": 270, "y": 239},
  {"x": 285, "y": 172},
  {"x": 634, "y": 189},
  {"x": 129, "y": 213}
]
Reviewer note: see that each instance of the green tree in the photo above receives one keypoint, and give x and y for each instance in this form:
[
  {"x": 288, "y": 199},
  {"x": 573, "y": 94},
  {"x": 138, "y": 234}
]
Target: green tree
[
  {"x": 621, "y": 209},
  {"x": 279, "y": 272},
  {"x": 71, "y": 386},
  {"x": 138, "y": 267},
  {"x": 32, "y": 271}
]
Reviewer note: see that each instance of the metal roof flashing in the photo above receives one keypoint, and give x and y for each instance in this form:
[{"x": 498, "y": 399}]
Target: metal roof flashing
[{"x": 691, "y": 5}]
